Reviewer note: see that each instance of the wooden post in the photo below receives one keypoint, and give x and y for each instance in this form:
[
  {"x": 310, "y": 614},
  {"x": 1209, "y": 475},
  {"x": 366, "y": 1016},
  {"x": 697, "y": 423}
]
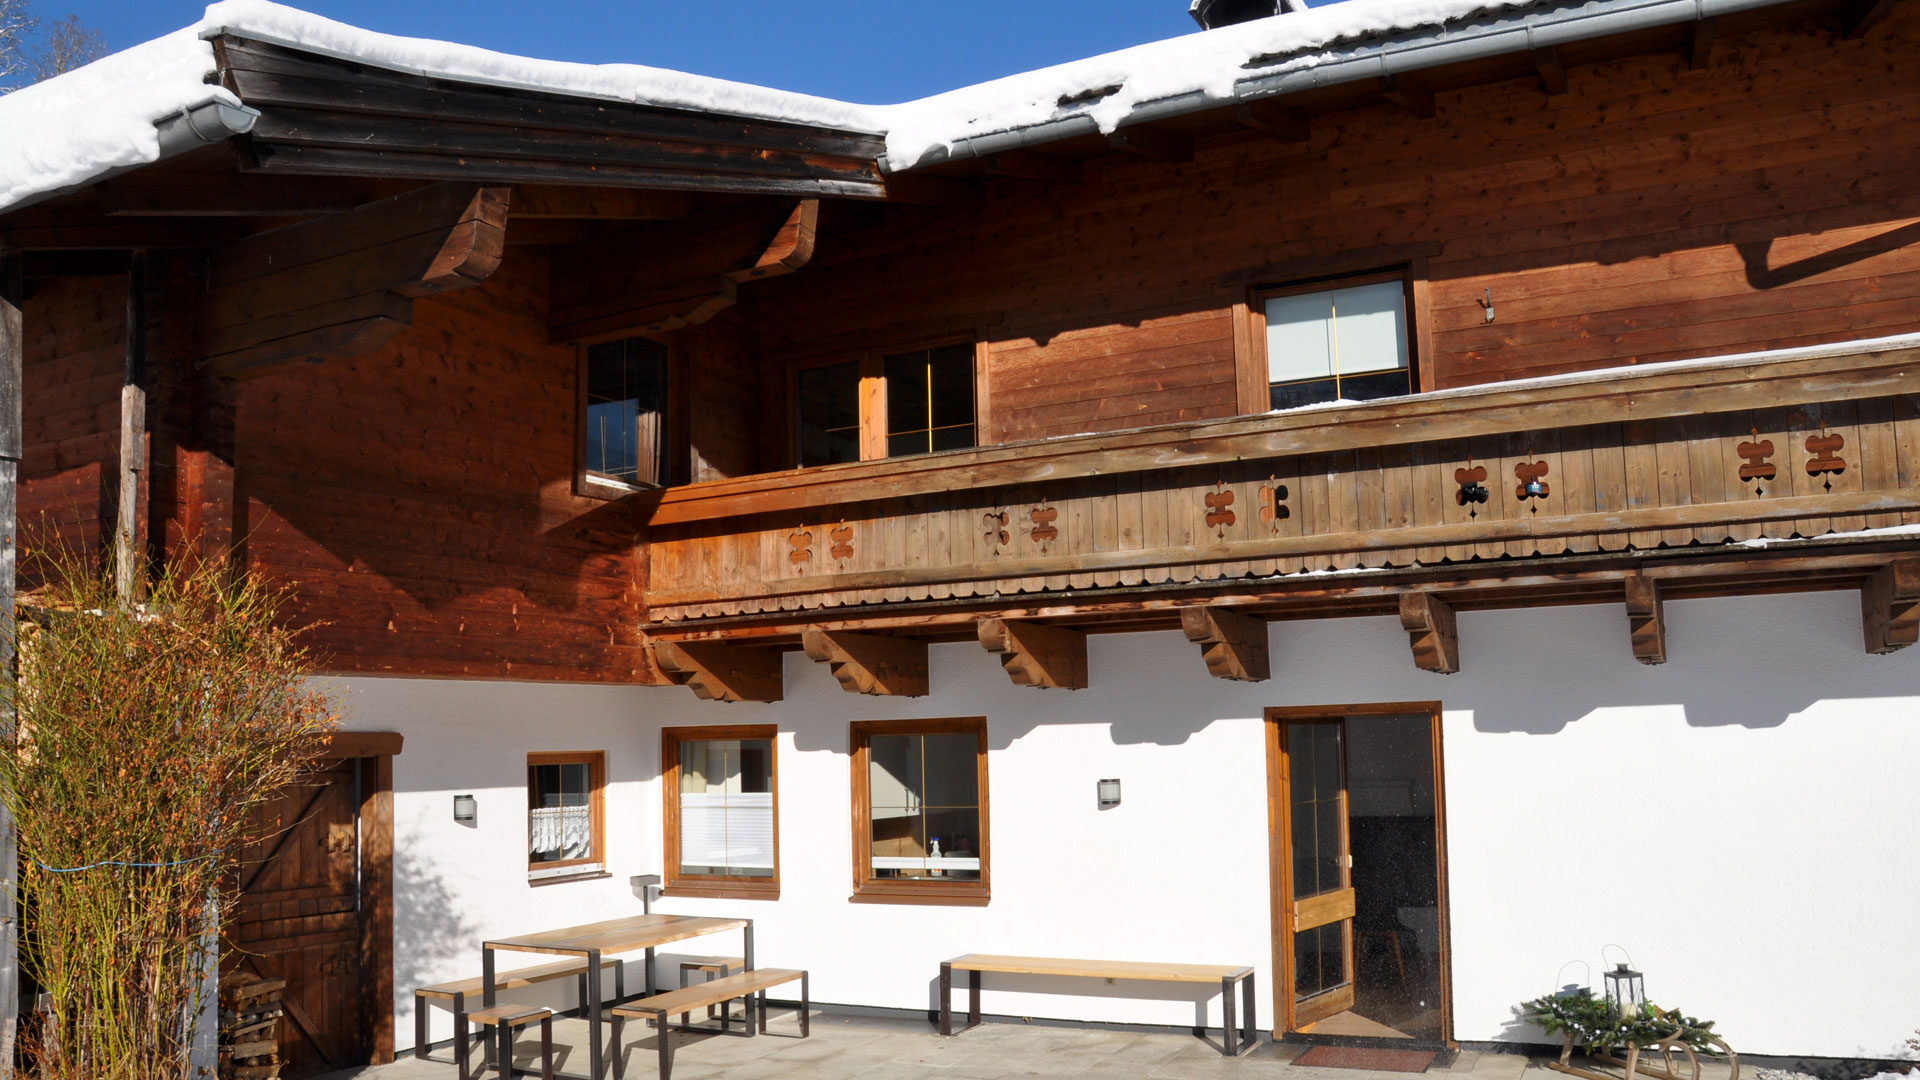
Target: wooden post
[
  {"x": 1233, "y": 645},
  {"x": 871, "y": 663},
  {"x": 1430, "y": 627},
  {"x": 12, "y": 356},
  {"x": 1890, "y": 606},
  {"x": 1646, "y": 619},
  {"x": 1036, "y": 654},
  {"x": 128, "y": 549}
]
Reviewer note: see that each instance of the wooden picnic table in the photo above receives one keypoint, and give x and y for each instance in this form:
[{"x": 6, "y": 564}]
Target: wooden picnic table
[{"x": 592, "y": 940}]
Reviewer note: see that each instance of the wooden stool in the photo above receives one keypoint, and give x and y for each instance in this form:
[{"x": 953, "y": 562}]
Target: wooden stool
[
  {"x": 718, "y": 968},
  {"x": 506, "y": 1020}
]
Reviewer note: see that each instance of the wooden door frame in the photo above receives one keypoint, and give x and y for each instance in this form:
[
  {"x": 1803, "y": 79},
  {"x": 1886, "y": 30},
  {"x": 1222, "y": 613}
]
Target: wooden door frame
[
  {"x": 375, "y": 750},
  {"x": 1279, "y": 855}
]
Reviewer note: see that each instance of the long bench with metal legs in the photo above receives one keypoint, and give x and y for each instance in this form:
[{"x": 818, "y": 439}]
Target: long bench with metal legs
[
  {"x": 1226, "y": 975},
  {"x": 750, "y": 985}
]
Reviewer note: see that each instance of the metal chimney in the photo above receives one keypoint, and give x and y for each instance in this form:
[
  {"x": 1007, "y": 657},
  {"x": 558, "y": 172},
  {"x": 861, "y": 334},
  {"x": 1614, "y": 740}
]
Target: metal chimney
[{"x": 1212, "y": 13}]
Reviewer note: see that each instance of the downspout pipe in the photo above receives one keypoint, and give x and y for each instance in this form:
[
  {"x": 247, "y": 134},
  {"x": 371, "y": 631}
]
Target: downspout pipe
[{"x": 1497, "y": 35}]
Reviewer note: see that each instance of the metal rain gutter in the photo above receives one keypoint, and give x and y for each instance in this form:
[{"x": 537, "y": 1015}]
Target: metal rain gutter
[{"x": 1492, "y": 36}]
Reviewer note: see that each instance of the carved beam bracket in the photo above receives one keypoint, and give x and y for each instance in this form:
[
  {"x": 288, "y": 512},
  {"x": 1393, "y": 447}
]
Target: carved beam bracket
[
  {"x": 1646, "y": 619},
  {"x": 1890, "y": 606},
  {"x": 871, "y": 663},
  {"x": 1035, "y": 654},
  {"x": 1430, "y": 626},
  {"x": 1233, "y": 645},
  {"x": 722, "y": 672}
]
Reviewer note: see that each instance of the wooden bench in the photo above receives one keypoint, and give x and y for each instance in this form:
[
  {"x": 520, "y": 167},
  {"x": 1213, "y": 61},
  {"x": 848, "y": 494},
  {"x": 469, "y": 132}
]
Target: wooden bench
[
  {"x": 747, "y": 985},
  {"x": 1226, "y": 975},
  {"x": 455, "y": 994},
  {"x": 505, "y": 1020}
]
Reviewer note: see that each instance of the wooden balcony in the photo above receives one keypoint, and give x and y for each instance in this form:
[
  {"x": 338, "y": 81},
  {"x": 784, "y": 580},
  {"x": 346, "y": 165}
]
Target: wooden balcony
[{"x": 1709, "y": 463}]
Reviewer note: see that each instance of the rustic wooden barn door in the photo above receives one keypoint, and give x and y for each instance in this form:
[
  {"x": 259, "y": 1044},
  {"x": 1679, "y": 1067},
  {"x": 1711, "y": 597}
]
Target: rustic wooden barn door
[
  {"x": 1317, "y": 867},
  {"x": 305, "y": 913}
]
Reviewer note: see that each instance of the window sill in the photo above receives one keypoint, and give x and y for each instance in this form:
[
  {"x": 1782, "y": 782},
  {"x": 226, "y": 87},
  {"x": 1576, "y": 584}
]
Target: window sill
[
  {"x": 593, "y": 486},
  {"x": 563, "y": 874},
  {"x": 769, "y": 891},
  {"x": 945, "y": 895}
]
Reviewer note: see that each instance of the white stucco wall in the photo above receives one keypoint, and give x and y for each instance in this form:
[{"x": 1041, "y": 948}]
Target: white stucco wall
[{"x": 1742, "y": 819}]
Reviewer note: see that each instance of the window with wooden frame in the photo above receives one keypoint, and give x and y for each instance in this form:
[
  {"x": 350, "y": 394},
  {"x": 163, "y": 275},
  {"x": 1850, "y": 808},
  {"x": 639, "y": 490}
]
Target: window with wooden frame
[
  {"x": 919, "y": 401},
  {"x": 623, "y": 409},
  {"x": 1335, "y": 339},
  {"x": 566, "y": 817},
  {"x": 920, "y": 811},
  {"x": 722, "y": 812}
]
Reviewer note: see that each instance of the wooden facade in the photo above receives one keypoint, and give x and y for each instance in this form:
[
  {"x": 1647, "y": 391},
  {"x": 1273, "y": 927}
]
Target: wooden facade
[{"x": 360, "y": 376}]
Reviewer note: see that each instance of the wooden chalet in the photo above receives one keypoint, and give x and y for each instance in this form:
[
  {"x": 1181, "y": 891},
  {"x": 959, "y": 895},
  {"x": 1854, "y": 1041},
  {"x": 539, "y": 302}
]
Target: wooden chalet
[{"x": 1476, "y": 335}]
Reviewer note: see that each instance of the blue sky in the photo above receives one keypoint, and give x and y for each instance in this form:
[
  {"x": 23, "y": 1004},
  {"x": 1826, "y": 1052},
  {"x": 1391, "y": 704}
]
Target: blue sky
[{"x": 858, "y": 50}]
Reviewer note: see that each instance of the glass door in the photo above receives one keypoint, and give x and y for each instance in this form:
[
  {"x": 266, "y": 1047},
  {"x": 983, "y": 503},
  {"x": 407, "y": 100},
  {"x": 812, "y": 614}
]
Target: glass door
[{"x": 1319, "y": 905}]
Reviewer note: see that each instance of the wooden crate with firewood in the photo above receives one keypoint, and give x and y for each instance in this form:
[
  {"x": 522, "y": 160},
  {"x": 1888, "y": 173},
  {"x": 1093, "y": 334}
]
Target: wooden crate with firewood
[{"x": 250, "y": 1013}]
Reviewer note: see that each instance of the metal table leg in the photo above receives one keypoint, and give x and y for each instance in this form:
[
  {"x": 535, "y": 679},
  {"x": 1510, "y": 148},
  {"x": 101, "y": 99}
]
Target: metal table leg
[
  {"x": 486, "y": 999},
  {"x": 946, "y": 998},
  {"x": 1228, "y": 1036},
  {"x": 973, "y": 999},
  {"x": 748, "y": 935},
  {"x": 594, "y": 1057}
]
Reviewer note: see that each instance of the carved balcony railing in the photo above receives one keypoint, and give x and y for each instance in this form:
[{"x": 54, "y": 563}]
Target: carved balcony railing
[{"x": 1802, "y": 443}]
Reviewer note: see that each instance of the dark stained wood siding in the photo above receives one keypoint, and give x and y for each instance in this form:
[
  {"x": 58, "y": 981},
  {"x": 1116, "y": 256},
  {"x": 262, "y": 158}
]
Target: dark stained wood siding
[
  {"x": 1651, "y": 213},
  {"x": 75, "y": 361},
  {"x": 421, "y": 500}
]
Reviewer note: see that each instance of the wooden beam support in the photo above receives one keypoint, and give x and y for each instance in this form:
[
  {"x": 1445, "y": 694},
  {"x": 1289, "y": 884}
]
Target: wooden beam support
[
  {"x": 1861, "y": 16},
  {"x": 1152, "y": 144},
  {"x": 1700, "y": 44},
  {"x": 1890, "y": 606},
  {"x": 1033, "y": 165},
  {"x": 1646, "y": 619},
  {"x": 337, "y": 285},
  {"x": 1408, "y": 93},
  {"x": 1233, "y": 645},
  {"x": 791, "y": 246},
  {"x": 129, "y": 542},
  {"x": 722, "y": 672},
  {"x": 1287, "y": 125},
  {"x": 1036, "y": 654},
  {"x": 1430, "y": 627},
  {"x": 871, "y": 663},
  {"x": 1553, "y": 73}
]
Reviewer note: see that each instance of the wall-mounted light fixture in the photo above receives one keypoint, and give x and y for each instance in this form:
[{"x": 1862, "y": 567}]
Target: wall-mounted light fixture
[
  {"x": 465, "y": 809},
  {"x": 1488, "y": 304},
  {"x": 1109, "y": 794}
]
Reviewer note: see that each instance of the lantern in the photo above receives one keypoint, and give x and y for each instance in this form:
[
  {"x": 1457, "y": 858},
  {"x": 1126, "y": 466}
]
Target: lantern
[
  {"x": 465, "y": 809},
  {"x": 1626, "y": 991}
]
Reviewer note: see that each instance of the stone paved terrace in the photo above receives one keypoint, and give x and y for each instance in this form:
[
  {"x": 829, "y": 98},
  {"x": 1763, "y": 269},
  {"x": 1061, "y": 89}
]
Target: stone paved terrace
[{"x": 844, "y": 1047}]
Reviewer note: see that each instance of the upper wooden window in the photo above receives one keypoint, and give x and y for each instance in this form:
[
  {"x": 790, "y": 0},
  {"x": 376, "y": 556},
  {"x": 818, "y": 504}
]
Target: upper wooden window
[
  {"x": 566, "y": 819},
  {"x": 892, "y": 405},
  {"x": 1346, "y": 339},
  {"x": 920, "y": 811},
  {"x": 722, "y": 812},
  {"x": 623, "y": 407}
]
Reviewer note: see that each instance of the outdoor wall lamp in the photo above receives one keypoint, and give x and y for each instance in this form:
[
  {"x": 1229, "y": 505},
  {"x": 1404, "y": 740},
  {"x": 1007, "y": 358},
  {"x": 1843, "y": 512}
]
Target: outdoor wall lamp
[
  {"x": 465, "y": 809},
  {"x": 1109, "y": 794},
  {"x": 1626, "y": 990}
]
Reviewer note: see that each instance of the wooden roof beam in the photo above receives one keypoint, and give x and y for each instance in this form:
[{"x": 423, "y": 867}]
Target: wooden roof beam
[
  {"x": 1035, "y": 654},
  {"x": 1287, "y": 125},
  {"x": 1431, "y": 628},
  {"x": 1410, "y": 94},
  {"x": 1890, "y": 606},
  {"x": 1152, "y": 144},
  {"x": 1233, "y": 645},
  {"x": 722, "y": 672},
  {"x": 1553, "y": 73},
  {"x": 1861, "y": 16},
  {"x": 537, "y": 201},
  {"x": 240, "y": 195},
  {"x": 871, "y": 663},
  {"x": 1032, "y": 165},
  {"x": 1646, "y": 619}
]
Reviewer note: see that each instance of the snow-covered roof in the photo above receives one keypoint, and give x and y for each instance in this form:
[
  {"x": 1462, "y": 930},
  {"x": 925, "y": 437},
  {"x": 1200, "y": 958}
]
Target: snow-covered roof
[{"x": 86, "y": 124}]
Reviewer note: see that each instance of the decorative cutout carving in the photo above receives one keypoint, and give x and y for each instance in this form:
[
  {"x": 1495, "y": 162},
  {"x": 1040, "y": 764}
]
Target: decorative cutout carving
[
  {"x": 1531, "y": 485},
  {"x": 1756, "y": 453},
  {"x": 1043, "y": 518},
  {"x": 842, "y": 538},
  {"x": 1473, "y": 486},
  {"x": 802, "y": 544},
  {"x": 1218, "y": 514},
  {"x": 1826, "y": 454},
  {"x": 996, "y": 523},
  {"x": 1273, "y": 503}
]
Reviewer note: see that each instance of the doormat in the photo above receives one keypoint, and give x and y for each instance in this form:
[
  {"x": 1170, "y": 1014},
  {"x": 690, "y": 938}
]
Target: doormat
[{"x": 1367, "y": 1057}]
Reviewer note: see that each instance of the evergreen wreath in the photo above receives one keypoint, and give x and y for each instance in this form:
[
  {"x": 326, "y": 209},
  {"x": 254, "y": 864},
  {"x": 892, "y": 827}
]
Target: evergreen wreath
[{"x": 1593, "y": 1023}]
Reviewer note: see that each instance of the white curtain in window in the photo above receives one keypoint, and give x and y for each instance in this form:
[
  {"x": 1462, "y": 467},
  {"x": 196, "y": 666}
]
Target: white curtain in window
[
  {"x": 561, "y": 832},
  {"x": 731, "y": 830}
]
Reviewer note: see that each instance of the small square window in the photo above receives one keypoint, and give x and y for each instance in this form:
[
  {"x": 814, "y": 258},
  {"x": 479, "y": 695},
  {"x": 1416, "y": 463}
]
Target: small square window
[
  {"x": 929, "y": 400},
  {"x": 920, "y": 798},
  {"x": 624, "y": 412},
  {"x": 1344, "y": 342},
  {"x": 565, "y": 834}
]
